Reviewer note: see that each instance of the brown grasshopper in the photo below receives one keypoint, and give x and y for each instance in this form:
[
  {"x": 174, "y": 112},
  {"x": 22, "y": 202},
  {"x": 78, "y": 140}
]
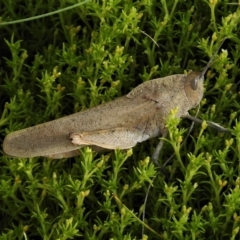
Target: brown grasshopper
[{"x": 118, "y": 124}]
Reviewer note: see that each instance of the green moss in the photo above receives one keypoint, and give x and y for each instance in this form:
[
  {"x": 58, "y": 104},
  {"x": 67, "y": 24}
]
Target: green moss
[{"x": 67, "y": 62}]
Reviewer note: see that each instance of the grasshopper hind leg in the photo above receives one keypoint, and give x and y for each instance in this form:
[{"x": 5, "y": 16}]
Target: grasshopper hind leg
[{"x": 114, "y": 138}]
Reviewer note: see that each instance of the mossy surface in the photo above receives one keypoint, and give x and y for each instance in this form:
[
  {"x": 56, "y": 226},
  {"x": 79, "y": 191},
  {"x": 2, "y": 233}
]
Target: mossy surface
[{"x": 61, "y": 64}]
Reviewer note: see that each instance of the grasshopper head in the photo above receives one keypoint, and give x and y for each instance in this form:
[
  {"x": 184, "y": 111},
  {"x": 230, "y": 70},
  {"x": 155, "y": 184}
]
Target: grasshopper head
[
  {"x": 193, "y": 86},
  {"x": 193, "y": 83}
]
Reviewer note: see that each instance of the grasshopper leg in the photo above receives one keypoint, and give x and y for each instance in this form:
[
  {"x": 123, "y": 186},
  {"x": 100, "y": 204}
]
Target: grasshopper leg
[
  {"x": 115, "y": 138},
  {"x": 157, "y": 151},
  {"x": 209, "y": 123}
]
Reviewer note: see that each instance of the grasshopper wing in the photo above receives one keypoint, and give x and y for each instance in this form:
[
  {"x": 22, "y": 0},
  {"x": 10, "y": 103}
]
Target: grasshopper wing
[{"x": 52, "y": 138}]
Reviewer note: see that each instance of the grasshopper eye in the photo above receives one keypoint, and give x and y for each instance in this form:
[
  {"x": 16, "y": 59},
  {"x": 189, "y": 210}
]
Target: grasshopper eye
[{"x": 194, "y": 83}]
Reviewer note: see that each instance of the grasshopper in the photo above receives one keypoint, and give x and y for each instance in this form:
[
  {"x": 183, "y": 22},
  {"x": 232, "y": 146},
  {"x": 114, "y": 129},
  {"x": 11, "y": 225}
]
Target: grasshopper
[{"x": 118, "y": 124}]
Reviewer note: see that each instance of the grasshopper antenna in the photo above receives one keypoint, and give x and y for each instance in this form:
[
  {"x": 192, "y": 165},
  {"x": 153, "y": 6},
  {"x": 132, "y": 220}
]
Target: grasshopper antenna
[{"x": 211, "y": 59}]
